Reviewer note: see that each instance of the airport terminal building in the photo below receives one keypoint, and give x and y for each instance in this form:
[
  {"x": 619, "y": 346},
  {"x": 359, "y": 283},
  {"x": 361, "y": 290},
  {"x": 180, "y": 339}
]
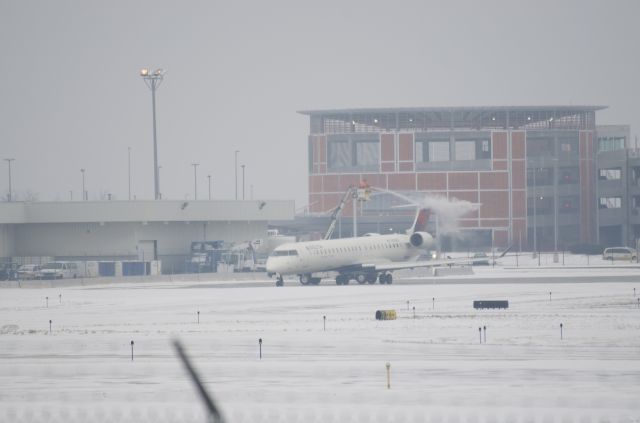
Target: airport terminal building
[
  {"x": 530, "y": 169},
  {"x": 130, "y": 230}
]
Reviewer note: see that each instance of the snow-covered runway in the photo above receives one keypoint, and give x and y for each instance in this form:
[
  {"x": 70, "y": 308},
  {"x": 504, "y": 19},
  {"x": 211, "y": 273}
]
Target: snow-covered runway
[{"x": 82, "y": 370}]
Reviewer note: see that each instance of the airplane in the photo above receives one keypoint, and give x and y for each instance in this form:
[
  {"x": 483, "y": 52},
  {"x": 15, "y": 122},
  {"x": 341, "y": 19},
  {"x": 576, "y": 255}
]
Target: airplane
[{"x": 364, "y": 259}]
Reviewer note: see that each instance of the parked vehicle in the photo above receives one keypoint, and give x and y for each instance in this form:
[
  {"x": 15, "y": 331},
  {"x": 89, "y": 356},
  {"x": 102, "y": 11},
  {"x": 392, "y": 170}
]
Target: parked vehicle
[
  {"x": 28, "y": 271},
  {"x": 8, "y": 272},
  {"x": 59, "y": 270},
  {"x": 620, "y": 253},
  {"x": 480, "y": 259}
]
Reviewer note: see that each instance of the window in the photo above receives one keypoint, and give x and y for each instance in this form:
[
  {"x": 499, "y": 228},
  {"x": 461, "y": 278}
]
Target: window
[
  {"x": 339, "y": 154},
  {"x": 353, "y": 153},
  {"x": 610, "y": 202},
  {"x": 438, "y": 151},
  {"x": 568, "y": 204},
  {"x": 367, "y": 153},
  {"x": 610, "y": 174},
  {"x": 540, "y": 147},
  {"x": 611, "y": 143},
  {"x": 279, "y": 253},
  {"x": 465, "y": 150},
  {"x": 568, "y": 175}
]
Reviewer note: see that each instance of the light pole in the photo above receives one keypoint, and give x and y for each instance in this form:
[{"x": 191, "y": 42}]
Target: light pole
[
  {"x": 242, "y": 182},
  {"x": 129, "y": 163},
  {"x": 195, "y": 180},
  {"x": 9, "y": 163},
  {"x": 555, "y": 205},
  {"x": 84, "y": 193},
  {"x": 236, "y": 172},
  {"x": 159, "y": 194},
  {"x": 535, "y": 227},
  {"x": 153, "y": 81},
  {"x": 209, "y": 178}
]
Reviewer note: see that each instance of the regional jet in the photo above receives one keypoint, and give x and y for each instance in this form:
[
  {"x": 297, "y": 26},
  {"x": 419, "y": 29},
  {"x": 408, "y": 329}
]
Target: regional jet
[{"x": 364, "y": 259}]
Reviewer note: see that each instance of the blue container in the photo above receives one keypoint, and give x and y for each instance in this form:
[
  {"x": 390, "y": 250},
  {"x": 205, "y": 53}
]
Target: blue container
[
  {"x": 107, "y": 268},
  {"x": 133, "y": 268}
]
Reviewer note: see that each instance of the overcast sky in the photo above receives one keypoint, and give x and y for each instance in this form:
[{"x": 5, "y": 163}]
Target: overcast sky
[{"x": 71, "y": 96}]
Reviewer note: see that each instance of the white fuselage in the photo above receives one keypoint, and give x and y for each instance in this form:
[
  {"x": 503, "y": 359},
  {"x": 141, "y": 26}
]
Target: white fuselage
[{"x": 330, "y": 255}]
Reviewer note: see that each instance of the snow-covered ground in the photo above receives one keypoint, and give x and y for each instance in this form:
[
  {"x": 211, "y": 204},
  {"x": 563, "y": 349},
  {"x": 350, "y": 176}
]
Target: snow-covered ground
[{"x": 440, "y": 372}]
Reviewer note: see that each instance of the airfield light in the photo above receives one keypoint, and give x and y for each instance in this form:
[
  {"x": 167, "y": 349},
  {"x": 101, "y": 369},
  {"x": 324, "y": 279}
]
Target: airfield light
[{"x": 144, "y": 72}]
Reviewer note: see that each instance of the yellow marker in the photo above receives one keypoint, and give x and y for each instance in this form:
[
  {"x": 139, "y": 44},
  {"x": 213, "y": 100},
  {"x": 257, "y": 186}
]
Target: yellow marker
[{"x": 388, "y": 375}]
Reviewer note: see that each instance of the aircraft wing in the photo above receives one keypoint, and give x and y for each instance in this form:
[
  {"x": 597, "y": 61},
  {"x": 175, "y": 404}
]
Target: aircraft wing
[
  {"x": 398, "y": 265},
  {"x": 381, "y": 267}
]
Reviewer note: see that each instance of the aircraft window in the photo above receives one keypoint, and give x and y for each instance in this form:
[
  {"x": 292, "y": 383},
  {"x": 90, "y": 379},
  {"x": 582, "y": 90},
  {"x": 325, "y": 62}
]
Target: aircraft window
[{"x": 293, "y": 253}]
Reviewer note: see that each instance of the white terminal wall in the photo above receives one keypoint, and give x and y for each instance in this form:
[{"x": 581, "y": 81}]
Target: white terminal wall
[{"x": 115, "y": 228}]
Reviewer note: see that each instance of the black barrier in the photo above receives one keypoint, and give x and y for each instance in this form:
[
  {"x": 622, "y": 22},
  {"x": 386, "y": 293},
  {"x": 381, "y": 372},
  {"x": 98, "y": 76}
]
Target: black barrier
[{"x": 491, "y": 304}]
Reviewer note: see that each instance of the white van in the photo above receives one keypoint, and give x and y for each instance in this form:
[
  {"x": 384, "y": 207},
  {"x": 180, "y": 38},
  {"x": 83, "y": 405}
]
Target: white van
[
  {"x": 59, "y": 270},
  {"x": 619, "y": 253}
]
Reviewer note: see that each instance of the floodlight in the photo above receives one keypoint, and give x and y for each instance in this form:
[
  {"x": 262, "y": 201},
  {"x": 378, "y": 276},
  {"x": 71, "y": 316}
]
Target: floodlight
[{"x": 144, "y": 72}]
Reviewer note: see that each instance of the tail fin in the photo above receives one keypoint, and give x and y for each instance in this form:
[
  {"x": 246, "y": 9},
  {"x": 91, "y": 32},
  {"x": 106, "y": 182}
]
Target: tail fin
[{"x": 420, "y": 222}]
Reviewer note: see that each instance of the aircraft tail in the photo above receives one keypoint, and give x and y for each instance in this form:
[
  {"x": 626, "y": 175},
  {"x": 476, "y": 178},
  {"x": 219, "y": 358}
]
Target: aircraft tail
[{"x": 420, "y": 222}]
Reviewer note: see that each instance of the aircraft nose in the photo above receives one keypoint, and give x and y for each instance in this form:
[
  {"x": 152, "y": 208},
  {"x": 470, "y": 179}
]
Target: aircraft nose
[{"x": 271, "y": 265}]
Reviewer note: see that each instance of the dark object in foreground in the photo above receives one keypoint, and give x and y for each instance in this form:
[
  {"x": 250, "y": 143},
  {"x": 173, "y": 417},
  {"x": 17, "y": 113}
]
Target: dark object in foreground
[
  {"x": 491, "y": 304},
  {"x": 214, "y": 414}
]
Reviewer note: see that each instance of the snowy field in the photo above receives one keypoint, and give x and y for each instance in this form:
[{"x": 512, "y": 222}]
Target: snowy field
[{"x": 440, "y": 372}]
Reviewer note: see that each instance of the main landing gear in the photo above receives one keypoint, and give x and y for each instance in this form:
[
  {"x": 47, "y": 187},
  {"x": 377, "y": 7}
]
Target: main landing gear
[
  {"x": 362, "y": 278},
  {"x": 385, "y": 278},
  {"x": 307, "y": 279}
]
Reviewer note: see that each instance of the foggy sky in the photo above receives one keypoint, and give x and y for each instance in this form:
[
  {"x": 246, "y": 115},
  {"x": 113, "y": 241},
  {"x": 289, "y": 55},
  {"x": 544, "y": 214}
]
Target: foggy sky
[{"x": 71, "y": 96}]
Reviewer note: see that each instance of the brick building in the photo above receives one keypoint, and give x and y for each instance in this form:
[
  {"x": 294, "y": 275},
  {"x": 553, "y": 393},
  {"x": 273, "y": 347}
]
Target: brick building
[{"x": 530, "y": 169}]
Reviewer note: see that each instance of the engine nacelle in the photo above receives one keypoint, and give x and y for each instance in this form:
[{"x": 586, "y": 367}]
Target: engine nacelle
[{"x": 421, "y": 239}]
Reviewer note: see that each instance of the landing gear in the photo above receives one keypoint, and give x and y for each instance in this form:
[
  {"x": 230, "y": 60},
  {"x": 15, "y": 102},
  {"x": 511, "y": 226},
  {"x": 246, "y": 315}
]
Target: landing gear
[
  {"x": 307, "y": 279},
  {"x": 279, "y": 281},
  {"x": 385, "y": 278}
]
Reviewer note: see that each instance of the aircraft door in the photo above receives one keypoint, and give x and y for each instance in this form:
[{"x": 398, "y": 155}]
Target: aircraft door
[{"x": 300, "y": 260}]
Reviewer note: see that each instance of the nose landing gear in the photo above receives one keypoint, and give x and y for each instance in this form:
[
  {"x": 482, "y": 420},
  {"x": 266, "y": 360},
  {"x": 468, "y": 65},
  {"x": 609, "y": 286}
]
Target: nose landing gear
[{"x": 279, "y": 281}]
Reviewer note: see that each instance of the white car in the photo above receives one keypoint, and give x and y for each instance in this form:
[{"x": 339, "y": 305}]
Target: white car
[
  {"x": 28, "y": 271},
  {"x": 620, "y": 253},
  {"x": 59, "y": 270}
]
